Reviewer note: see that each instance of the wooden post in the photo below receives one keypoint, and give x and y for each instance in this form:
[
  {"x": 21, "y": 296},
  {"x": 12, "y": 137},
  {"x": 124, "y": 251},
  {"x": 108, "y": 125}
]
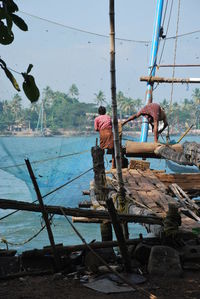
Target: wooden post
[
  {"x": 99, "y": 173},
  {"x": 119, "y": 234},
  {"x": 169, "y": 80},
  {"x": 114, "y": 100},
  {"x": 44, "y": 214}
]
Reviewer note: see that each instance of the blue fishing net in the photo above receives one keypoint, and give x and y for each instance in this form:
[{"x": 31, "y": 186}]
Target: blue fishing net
[{"x": 55, "y": 162}]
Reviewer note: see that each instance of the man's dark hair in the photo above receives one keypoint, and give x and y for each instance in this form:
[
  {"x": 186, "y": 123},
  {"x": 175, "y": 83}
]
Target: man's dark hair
[{"x": 102, "y": 110}]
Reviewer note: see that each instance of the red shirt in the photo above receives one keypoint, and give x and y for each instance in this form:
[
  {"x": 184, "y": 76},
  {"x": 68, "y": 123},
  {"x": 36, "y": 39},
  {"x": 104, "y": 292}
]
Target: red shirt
[
  {"x": 151, "y": 111},
  {"x": 102, "y": 122}
]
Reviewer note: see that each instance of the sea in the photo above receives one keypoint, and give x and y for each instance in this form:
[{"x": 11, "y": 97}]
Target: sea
[{"x": 62, "y": 167}]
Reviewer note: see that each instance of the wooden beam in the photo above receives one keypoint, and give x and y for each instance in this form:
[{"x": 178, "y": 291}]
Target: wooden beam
[
  {"x": 178, "y": 65},
  {"x": 85, "y": 220},
  {"x": 25, "y": 206},
  {"x": 147, "y": 148},
  {"x": 119, "y": 234},
  {"x": 189, "y": 182},
  {"x": 44, "y": 214},
  {"x": 169, "y": 80},
  {"x": 72, "y": 248}
]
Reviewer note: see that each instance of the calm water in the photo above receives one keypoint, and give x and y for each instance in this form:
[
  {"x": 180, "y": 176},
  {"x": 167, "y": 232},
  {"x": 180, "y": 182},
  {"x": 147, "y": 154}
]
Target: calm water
[{"x": 15, "y": 184}]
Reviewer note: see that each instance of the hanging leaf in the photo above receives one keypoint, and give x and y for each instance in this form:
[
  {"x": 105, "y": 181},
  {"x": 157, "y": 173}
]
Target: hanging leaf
[
  {"x": 5, "y": 37},
  {"x": 29, "y": 68},
  {"x": 12, "y": 79},
  {"x": 9, "y": 75},
  {"x": 2, "y": 13},
  {"x": 19, "y": 22},
  {"x": 3, "y": 63},
  {"x": 9, "y": 23},
  {"x": 11, "y": 6},
  {"x": 30, "y": 88}
]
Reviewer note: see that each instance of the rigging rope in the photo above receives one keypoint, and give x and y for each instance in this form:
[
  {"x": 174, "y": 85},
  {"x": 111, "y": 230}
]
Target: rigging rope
[
  {"x": 103, "y": 35},
  {"x": 82, "y": 30},
  {"x": 170, "y": 13},
  {"x": 165, "y": 13},
  {"x": 175, "y": 49},
  {"x": 45, "y": 160},
  {"x": 4, "y": 240},
  {"x": 58, "y": 188}
]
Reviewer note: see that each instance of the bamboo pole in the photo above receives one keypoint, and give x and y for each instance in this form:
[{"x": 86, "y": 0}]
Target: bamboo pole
[
  {"x": 44, "y": 214},
  {"x": 119, "y": 234},
  {"x": 169, "y": 80},
  {"x": 178, "y": 65},
  {"x": 114, "y": 100},
  {"x": 26, "y": 206}
]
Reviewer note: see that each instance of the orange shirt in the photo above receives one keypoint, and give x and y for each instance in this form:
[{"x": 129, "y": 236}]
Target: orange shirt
[{"x": 102, "y": 122}]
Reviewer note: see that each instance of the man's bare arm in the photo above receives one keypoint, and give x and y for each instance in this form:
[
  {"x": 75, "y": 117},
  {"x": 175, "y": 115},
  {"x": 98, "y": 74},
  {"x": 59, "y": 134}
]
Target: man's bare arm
[{"x": 134, "y": 116}]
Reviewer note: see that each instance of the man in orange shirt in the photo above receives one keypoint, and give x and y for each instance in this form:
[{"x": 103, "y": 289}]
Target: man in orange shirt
[{"x": 103, "y": 124}]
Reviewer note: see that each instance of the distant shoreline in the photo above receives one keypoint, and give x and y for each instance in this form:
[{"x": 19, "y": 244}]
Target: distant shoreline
[{"x": 73, "y": 133}]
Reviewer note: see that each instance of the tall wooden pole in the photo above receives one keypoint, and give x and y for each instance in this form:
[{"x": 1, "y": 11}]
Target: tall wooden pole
[
  {"x": 114, "y": 101},
  {"x": 119, "y": 234},
  {"x": 44, "y": 214}
]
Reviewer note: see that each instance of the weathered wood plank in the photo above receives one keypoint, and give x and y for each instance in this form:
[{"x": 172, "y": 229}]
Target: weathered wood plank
[
  {"x": 25, "y": 206},
  {"x": 187, "y": 182}
]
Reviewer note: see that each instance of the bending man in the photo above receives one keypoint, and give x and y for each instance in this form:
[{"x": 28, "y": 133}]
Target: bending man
[
  {"x": 103, "y": 124},
  {"x": 154, "y": 113}
]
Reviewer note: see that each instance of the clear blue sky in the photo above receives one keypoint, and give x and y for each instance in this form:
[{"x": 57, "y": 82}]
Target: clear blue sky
[{"x": 62, "y": 56}]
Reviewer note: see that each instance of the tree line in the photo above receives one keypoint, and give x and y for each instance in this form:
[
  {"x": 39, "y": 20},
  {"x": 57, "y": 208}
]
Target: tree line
[{"x": 65, "y": 111}]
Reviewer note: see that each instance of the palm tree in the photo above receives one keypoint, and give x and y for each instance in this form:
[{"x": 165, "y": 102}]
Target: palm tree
[
  {"x": 16, "y": 106},
  {"x": 48, "y": 97},
  {"x": 73, "y": 91},
  {"x": 196, "y": 96},
  {"x": 120, "y": 98},
  {"x": 138, "y": 104},
  {"x": 100, "y": 98},
  {"x": 128, "y": 106}
]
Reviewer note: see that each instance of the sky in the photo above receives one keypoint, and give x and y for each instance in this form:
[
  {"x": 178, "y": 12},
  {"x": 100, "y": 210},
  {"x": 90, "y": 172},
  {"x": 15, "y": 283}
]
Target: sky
[{"x": 62, "y": 56}]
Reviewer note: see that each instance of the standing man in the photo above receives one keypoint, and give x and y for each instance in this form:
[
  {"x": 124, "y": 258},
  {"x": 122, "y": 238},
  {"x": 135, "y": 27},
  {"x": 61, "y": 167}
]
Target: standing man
[
  {"x": 154, "y": 113},
  {"x": 103, "y": 124}
]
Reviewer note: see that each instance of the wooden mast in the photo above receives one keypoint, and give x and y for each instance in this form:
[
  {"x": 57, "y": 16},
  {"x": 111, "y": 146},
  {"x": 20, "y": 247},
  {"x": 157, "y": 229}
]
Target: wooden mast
[{"x": 114, "y": 101}]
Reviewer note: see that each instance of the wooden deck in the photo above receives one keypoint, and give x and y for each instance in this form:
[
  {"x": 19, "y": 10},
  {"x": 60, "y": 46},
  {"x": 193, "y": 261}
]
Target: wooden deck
[{"x": 146, "y": 189}]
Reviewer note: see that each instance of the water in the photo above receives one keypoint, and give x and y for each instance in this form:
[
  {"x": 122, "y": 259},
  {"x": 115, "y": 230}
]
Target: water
[{"x": 15, "y": 184}]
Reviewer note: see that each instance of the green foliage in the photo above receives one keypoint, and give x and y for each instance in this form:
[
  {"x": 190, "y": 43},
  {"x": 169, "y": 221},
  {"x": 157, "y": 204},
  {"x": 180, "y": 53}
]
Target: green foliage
[
  {"x": 7, "y": 18},
  {"x": 100, "y": 98},
  {"x": 63, "y": 111}
]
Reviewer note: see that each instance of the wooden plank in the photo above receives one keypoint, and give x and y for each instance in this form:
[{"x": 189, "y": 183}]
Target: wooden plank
[
  {"x": 152, "y": 79},
  {"x": 142, "y": 182},
  {"x": 154, "y": 180},
  {"x": 26, "y": 206},
  {"x": 187, "y": 182}
]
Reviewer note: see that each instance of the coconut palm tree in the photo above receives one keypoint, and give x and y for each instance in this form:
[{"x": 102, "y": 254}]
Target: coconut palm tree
[
  {"x": 128, "y": 106},
  {"x": 196, "y": 95},
  {"x": 120, "y": 99},
  {"x": 73, "y": 91},
  {"x": 16, "y": 106},
  {"x": 100, "y": 98}
]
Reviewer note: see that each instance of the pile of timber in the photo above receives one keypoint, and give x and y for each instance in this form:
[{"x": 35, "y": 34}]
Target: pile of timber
[{"x": 146, "y": 191}]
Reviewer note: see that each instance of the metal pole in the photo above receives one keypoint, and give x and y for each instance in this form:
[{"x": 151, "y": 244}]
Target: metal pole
[
  {"x": 44, "y": 213},
  {"x": 152, "y": 64}
]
